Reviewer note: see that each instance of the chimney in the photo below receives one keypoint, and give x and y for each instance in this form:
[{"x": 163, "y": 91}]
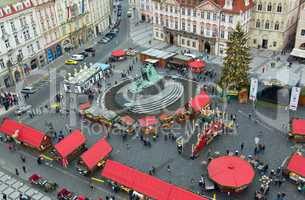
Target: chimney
[{"x": 228, "y": 4}]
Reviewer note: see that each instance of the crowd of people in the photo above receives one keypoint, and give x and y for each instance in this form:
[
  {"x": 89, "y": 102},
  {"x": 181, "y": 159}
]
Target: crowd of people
[{"x": 8, "y": 100}]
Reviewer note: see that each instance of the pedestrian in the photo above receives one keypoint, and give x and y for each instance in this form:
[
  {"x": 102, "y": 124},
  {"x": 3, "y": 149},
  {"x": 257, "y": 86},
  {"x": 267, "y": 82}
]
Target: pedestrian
[
  {"x": 228, "y": 151},
  {"x": 39, "y": 160},
  {"x": 255, "y": 150},
  {"x": 280, "y": 182},
  {"x": 168, "y": 168},
  {"x": 236, "y": 153},
  {"x": 16, "y": 172},
  {"x": 91, "y": 186},
  {"x": 242, "y": 147},
  {"x": 24, "y": 169},
  {"x": 4, "y": 196},
  {"x": 22, "y": 158}
]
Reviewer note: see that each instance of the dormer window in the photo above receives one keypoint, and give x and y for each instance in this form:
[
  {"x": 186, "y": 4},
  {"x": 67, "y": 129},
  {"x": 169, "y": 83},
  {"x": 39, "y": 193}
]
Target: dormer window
[{"x": 8, "y": 10}]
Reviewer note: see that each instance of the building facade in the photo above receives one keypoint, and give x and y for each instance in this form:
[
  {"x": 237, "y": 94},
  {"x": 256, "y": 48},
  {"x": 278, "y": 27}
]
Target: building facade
[
  {"x": 49, "y": 28},
  {"x": 300, "y": 34},
  {"x": 20, "y": 42},
  {"x": 145, "y": 10},
  {"x": 200, "y": 25},
  {"x": 273, "y": 24}
]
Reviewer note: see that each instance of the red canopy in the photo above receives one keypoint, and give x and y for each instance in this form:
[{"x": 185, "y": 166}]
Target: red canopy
[
  {"x": 85, "y": 106},
  {"x": 23, "y": 133},
  {"x": 70, "y": 143},
  {"x": 298, "y": 126},
  {"x": 127, "y": 120},
  {"x": 148, "y": 121},
  {"x": 118, "y": 53},
  {"x": 144, "y": 183},
  {"x": 199, "y": 101},
  {"x": 197, "y": 64},
  {"x": 96, "y": 153},
  {"x": 296, "y": 164},
  {"x": 231, "y": 171}
]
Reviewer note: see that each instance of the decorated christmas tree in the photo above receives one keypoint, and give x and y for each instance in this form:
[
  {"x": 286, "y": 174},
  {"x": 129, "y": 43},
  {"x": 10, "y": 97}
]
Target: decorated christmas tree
[{"x": 236, "y": 62}]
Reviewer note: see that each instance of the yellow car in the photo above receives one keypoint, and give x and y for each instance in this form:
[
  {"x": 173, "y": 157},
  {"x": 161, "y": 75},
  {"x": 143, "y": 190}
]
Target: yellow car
[{"x": 71, "y": 62}]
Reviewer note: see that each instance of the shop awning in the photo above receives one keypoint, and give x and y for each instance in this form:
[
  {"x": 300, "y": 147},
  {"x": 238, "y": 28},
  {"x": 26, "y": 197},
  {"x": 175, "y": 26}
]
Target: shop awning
[
  {"x": 70, "y": 143},
  {"x": 127, "y": 120},
  {"x": 96, "y": 153},
  {"x": 197, "y": 64},
  {"x": 118, "y": 53},
  {"x": 148, "y": 121},
  {"x": 298, "y": 53},
  {"x": 199, "y": 101},
  {"x": 85, "y": 106},
  {"x": 145, "y": 184},
  {"x": 296, "y": 164},
  {"x": 230, "y": 171},
  {"x": 22, "y": 133},
  {"x": 298, "y": 127}
]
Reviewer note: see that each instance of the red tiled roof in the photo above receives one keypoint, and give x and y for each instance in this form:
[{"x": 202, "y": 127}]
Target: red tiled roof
[
  {"x": 13, "y": 10},
  {"x": 238, "y": 6}
]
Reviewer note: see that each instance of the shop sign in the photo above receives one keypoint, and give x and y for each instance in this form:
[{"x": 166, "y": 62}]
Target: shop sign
[
  {"x": 294, "y": 98},
  {"x": 253, "y": 89}
]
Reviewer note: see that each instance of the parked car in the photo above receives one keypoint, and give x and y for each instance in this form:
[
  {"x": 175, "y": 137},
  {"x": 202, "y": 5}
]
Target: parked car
[
  {"x": 114, "y": 30},
  {"x": 84, "y": 53},
  {"x": 65, "y": 194},
  {"x": 29, "y": 90},
  {"x": 104, "y": 40},
  {"x": 42, "y": 183},
  {"x": 21, "y": 109},
  {"x": 71, "y": 62},
  {"x": 90, "y": 50},
  {"x": 77, "y": 57},
  {"x": 110, "y": 35}
]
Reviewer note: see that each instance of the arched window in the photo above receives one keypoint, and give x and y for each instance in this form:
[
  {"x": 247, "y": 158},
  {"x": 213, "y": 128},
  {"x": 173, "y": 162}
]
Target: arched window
[
  {"x": 259, "y": 6},
  {"x": 276, "y": 26},
  {"x": 279, "y": 7},
  {"x": 269, "y": 7},
  {"x": 267, "y": 24},
  {"x": 258, "y": 24}
]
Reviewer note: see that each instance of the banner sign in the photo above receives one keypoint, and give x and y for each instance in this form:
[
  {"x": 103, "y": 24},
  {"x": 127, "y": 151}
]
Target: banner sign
[
  {"x": 294, "y": 98},
  {"x": 253, "y": 89}
]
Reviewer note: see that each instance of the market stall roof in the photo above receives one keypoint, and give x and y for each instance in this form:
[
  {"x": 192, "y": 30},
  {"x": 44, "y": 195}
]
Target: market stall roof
[
  {"x": 102, "y": 66},
  {"x": 118, "y": 53},
  {"x": 148, "y": 121},
  {"x": 83, "y": 75},
  {"x": 96, "y": 153},
  {"x": 127, "y": 120},
  {"x": 143, "y": 183},
  {"x": 296, "y": 164},
  {"x": 70, "y": 143},
  {"x": 230, "y": 171},
  {"x": 298, "y": 53},
  {"x": 197, "y": 64},
  {"x": 164, "y": 116},
  {"x": 298, "y": 126},
  {"x": 199, "y": 101},
  {"x": 158, "y": 53},
  {"x": 22, "y": 132},
  {"x": 182, "y": 58},
  {"x": 84, "y": 106}
]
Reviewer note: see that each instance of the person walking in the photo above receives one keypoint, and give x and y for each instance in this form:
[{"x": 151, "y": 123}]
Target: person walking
[
  {"x": 4, "y": 196},
  {"x": 22, "y": 158},
  {"x": 242, "y": 147},
  {"x": 16, "y": 172},
  {"x": 168, "y": 168},
  {"x": 24, "y": 169}
]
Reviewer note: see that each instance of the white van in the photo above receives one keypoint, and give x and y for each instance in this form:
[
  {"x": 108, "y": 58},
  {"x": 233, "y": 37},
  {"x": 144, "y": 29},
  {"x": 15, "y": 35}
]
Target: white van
[{"x": 77, "y": 57}]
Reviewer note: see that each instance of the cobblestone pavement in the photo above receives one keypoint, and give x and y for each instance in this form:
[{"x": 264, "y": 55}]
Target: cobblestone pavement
[{"x": 12, "y": 186}]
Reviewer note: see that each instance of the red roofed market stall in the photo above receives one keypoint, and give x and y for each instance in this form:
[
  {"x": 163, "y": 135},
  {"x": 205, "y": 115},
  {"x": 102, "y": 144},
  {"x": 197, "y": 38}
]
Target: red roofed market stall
[
  {"x": 118, "y": 54},
  {"x": 127, "y": 124},
  {"x": 295, "y": 167},
  {"x": 145, "y": 184},
  {"x": 96, "y": 155},
  {"x": 72, "y": 145},
  {"x": 231, "y": 173},
  {"x": 199, "y": 102},
  {"x": 297, "y": 130},
  {"x": 148, "y": 125},
  {"x": 197, "y": 66},
  {"x": 25, "y": 134}
]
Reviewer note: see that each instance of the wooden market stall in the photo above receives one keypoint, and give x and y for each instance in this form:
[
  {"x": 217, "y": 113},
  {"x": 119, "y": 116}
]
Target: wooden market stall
[
  {"x": 231, "y": 173},
  {"x": 294, "y": 168},
  {"x": 161, "y": 56},
  {"x": 127, "y": 124},
  {"x": 167, "y": 120},
  {"x": 144, "y": 185},
  {"x": 148, "y": 125},
  {"x": 24, "y": 134},
  {"x": 179, "y": 61},
  {"x": 94, "y": 157},
  {"x": 297, "y": 130},
  {"x": 70, "y": 147},
  {"x": 118, "y": 55}
]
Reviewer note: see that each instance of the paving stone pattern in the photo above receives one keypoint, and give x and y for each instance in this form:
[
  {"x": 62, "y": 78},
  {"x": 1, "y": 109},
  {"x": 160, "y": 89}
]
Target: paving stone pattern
[{"x": 13, "y": 187}]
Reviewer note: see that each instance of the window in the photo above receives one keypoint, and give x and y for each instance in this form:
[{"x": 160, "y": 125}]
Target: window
[
  {"x": 26, "y": 35},
  {"x": 34, "y": 30},
  {"x": 276, "y": 26},
  {"x": 223, "y": 18},
  {"x": 189, "y": 12},
  {"x": 176, "y": 25},
  {"x": 16, "y": 39},
  {"x": 279, "y": 7},
  {"x": 214, "y": 16},
  {"x": 13, "y": 26},
  {"x": 258, "y": 24},
  {"x": 20, "y": 53},
  {"x": 166, "y": 8},
  {"x": 171, "y": 9},
  {"x": 303, "y": 32},
  {"x": 7, "y": 43},
  {"x": 183, "y": 11},
  {"x": 157, "y": 34},
  {"x": 188, "y": 43},
  {"x": 156, "y": 6},
  {"x": 260, "y": 6},
  {"x": 202, "y": 15},
  {"x": 231, "y": 19},
  {"x": 161, "y": 35},
  {"x": 166, "y": 22},
  {"x": 194, "y": 28},
  {"x": 156, "y": 19},
  {"x": 269, "y": 7},
  {"x": 183, "y": 26},
  {"x": 2, "y": 64},
  {"x": 182, "y": 41},
  {"x": 208, "y": 15},
  {"x": 38, "y": 45},
  {"x": 2, "y": 29},
  {"x": 254, "y": 41},
  {"x": 267, "y": 25},
  {"x": 194, "y": 44},
  {"x": 194, "y": 13},
  {"x": 274, "y": 44},
  {"x": 222, "y": 34}
]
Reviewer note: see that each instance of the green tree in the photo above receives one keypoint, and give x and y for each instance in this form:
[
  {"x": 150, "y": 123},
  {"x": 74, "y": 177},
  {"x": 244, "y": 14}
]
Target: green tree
[{"x": 235, "y": 74}]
